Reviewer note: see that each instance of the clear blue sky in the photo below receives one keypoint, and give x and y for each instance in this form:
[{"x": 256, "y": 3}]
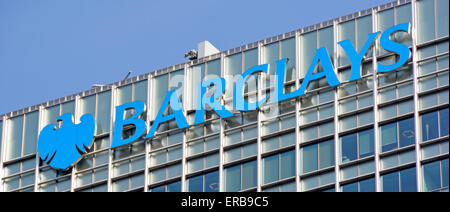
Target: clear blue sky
[{"x": 55, "y": 48}]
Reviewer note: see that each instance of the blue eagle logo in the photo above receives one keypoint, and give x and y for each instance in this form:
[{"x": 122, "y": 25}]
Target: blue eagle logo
[{"x": 61, "y": 148}]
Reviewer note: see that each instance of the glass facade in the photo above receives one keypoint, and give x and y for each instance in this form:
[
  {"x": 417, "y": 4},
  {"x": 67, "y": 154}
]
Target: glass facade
[{"x": 383, "y": 132}]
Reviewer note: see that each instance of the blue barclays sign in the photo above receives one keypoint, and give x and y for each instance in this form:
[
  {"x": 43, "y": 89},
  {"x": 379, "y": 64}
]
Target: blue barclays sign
[{"x": 64, "y": 147}]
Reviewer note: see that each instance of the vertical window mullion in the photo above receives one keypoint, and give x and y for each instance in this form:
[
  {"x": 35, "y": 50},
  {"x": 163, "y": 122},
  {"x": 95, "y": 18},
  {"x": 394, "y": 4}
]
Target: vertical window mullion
[
  {"x": 203, "y": 165},
  {"x": 204, "y": 182},
  {"x": 242, "y": 177},
  {"x": 395, "y": 16},
  {"x": 241, "y": 151},
  {"x": 92, "y": 176},
  {"x": 357, "y": 148},
  {"x": 397, "y": 133},
  {"x": 166, "y": 170},
  {"x": 241, "y": 134},
  {"x": 318, "y": 157},
  {"x": 279, "y": 166},
  {"x": 133, "y": 90},
  {"x": 242, "y": 63},
  {"x": 317, "y": 39},
  {"x": 439, "y": 122},
  {"x": 435, "y": 21},
  {"x": 129, "y": 164},
  {"x": 129, "y": 183},
  {"x": 168, "y": 82}
]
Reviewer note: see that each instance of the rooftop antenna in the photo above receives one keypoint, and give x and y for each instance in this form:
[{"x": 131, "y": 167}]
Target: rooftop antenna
[
  {"x": 97, "y": 86},
  {"x": 100, "y": 85},
  {"x": 128, "y": 75}
]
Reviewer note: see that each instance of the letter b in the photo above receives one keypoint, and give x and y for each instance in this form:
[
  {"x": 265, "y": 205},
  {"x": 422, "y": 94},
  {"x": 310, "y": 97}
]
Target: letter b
[{"x": 139, "y": 108}]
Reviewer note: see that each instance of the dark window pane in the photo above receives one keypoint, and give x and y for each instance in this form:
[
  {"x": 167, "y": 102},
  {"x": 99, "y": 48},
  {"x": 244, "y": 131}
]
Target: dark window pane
[
  {"x": 249, "y": 174},
  {"x": 212, "y": 182},
  {"x": 233, "y": 179},
  {"x": 388, "y": 137},
  {"x": 329, "y": 190},
  {"x": 390, "y": 182},
  {"x": 445, "y": 173},
  {"x": 174, "y": 187},
  {"x": 442, "y": 18},
  {"x": 408, "y": 180},
  {"x": 31, "y": 132},
  {"x": 353, "y": 187},
  {"x": 287, "y": 164},
  {"x": 14, "y": 138},
  {"x": 432, "y": 176},
  {"x": 406, "y": 132},
  {"x": 309, "y": 158},
  {"x": 159, "y": 189},
  {"x": 196, "y": 184},
  {"x": 443, "y": 116},
  {"x": 288, "y": 51},
  {"x": 366, "y": 143},
  {"x": 430, "y": 128},
  {"x": 425, "y": 20},
  {"x": 270, "y": 169},
  {"x": 349, "y": 148},
  {"x": 326, "y": 154},
  {"x": 367, "y": 185}
]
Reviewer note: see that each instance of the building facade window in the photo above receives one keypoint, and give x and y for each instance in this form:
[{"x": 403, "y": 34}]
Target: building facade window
[
  {"x": 317, "y": 156},
  {"x": 241, "y": 177},
  {"x": 172, "y": 187},
  {"x": 204, "y": 183},
  {"x": 434, "y": 124},
  {"x": 435, "y": 176},
  {"x": 397, "y": 134},
  {"x": 360, "y": 186},
  {"x": 400, "y": 181},
  {"x": 278, "y": 167},
  {"x": 357, "y": 145}
]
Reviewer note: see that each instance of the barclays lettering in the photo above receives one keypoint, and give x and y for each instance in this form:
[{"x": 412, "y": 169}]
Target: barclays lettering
[{"x": 51, "y": 149}]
